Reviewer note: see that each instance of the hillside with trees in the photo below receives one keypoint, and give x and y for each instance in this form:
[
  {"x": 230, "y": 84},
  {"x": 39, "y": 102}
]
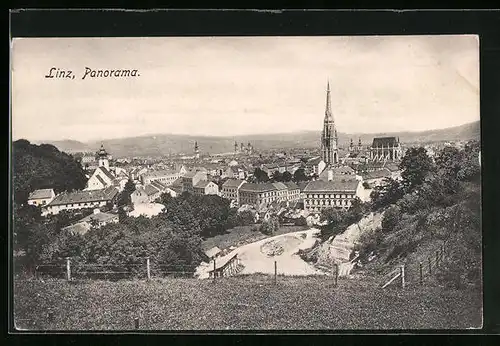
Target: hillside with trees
[
  {"x": 436, "y": 202},
  {"x": 43, "y": 167}
]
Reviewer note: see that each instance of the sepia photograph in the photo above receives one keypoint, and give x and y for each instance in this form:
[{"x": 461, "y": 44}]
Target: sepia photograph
[{"x": 246, "y": 183}]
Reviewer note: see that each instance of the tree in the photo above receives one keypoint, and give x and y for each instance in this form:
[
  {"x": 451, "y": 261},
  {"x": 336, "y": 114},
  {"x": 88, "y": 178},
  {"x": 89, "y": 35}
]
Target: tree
[
  {"x": 277, "y": 176},
  {"x": 449, "y": 161},
  {"x": 299, "y": 175},
  {"x": 287, "y": 176},
  {"x": 260, "y": 175},
  {"x": 43, "y": 166},
  {"x": 389, "y": 192},
  {"x": 415, "y": 166},
  {"x": 391, "y": 218},
  {"x": 270, "y": 226},
  {"x": 470, "y": 169},
  {"x": 331, "y": 216},
  {"x": 125, "y": 196}
]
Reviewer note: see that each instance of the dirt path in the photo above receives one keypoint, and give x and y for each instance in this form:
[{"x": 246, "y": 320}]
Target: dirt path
[{"x": 259, "y": 256}]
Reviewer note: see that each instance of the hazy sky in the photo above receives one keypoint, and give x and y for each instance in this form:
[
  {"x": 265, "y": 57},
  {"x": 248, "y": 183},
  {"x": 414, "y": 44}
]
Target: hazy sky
[{"x": 243, "y": 85}]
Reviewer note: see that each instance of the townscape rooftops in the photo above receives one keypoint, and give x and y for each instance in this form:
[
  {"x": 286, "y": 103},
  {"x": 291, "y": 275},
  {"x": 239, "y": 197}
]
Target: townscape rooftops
[
  {"x": 158, "y": 185},
  {"x": 107, "y": 173},
  {"x": 380, "y": 173},
  {"x": 41, "y": 194},
  {"x": 334, "y": 185},
  {"x": 85, "y": 196},
  {"x": 161, "y": 173},
  {"x": 151, "y": 190},
  {"x": 202, "y": 184},
  {"x": 279, "y": 186},
  {"x": 393, "y": 167},
  {"x": 313, "y": 161},
  {"x": 291, "y": 185},
  {"x": 384, "y": 141},
  {"x": 257, "y": 187},
  {"x": 233, "y": 183},
  {"x": 101, "y": 180},
  {"x": 100, "y": 217}
]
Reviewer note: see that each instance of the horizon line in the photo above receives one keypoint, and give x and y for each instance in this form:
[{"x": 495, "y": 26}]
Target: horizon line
[{"x": 233, "y": 136}]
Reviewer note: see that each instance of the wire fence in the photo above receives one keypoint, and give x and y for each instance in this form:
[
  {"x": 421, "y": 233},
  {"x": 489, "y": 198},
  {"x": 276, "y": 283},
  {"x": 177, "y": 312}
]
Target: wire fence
[
  {"x": 71, "y": 270},
  {"x": 416, "y": 274}
]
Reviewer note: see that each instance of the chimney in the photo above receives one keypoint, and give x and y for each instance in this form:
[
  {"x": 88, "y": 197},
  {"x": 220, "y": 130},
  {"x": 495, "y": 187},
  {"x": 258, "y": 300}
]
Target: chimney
[
  {"x": 330, "y": 175},
  {"x": 96, "y": 211}
]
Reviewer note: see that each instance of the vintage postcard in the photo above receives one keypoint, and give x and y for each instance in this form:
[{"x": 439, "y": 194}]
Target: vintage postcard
[{"x": 246, "y": 183}]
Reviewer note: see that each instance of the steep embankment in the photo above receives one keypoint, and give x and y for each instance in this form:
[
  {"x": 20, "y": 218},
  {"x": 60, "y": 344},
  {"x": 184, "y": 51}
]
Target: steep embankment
[{"x": 339, "y": 248}]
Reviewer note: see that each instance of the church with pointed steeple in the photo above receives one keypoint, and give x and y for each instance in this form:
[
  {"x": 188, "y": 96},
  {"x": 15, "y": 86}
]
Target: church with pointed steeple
[{"x": 329, "y": 139}]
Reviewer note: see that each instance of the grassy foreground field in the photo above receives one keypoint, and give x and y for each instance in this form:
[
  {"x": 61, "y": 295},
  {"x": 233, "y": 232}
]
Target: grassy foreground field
[{"x": 244, "y": 302}]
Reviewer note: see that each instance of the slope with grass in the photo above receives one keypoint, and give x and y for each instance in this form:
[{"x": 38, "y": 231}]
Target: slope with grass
[{"x": 238, "y": 303}]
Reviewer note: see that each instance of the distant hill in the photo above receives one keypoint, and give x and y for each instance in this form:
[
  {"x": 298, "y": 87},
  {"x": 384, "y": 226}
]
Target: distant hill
[
  {"x": 67, "y": 145},
  {"x": 164, "y": 144}
]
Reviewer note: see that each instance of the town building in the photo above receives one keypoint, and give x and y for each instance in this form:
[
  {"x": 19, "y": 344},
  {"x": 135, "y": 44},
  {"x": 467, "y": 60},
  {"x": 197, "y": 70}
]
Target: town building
[
  {"x": 205, "y": 187},
  {"x": 191, "y": 178},
  {"x": 235, "y": 172},
  {"x": 98, "y": 219},
  {"x": 165, "y": 176},
  {"x": 314, "y": 166},
  {"x": 386, "y": 149},
  {"x": 293, "y": 191},
  {"x": 102, "y": 177},
  {"x": 281, "y": 192},
  {"x": 337, "y": 193},
  {"x": 230, "y": 189},
  {"x": 41, "y": 197},
  {"x": 82, "y": 200},
  {"x": 329, "y": 138},
  {"x": 150, "y": 192},
  {"x": 376, "y": 178},
  {"x": 257, "y": 194}
]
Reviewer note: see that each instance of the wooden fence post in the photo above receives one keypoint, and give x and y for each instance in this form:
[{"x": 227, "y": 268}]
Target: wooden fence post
[
  {"x": 336, "y": 274},
  {"x": 68, "y": 269},
  {"x": 136, "y": 323},
  {"x": 430, "y": 267},
  {"x": 402, "y": 271},
  {"x": 421, "y": 270},
  {"x": 214, "y": 269},
  {"x": 275, "y": 272},
  {"x": 148, "y": 269}
]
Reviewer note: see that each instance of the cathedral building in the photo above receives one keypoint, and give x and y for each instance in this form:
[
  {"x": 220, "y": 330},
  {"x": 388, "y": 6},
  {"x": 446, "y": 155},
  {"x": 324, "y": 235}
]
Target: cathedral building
[
  {"x": 385, "y": 149},
  {"x": 329, "y": 139}
]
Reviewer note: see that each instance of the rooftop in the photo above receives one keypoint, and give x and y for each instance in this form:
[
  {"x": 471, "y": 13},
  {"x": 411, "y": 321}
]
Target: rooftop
[
  {"x": 233, "y": 183},
  {"x": 101, "y": 217},
  {"x": 106, "y": 194},
  {"x": 334, "y": 185},
  {"x": 41, "y": 194},
  {"x": 254, "y": 187},
  {"x": 380, "y": 173}
]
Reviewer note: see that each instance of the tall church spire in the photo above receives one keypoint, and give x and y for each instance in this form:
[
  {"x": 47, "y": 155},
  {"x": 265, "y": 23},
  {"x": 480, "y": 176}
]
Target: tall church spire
[
  {"x": 328, "y": 110},
  {"x": 329, "y": 139}
]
